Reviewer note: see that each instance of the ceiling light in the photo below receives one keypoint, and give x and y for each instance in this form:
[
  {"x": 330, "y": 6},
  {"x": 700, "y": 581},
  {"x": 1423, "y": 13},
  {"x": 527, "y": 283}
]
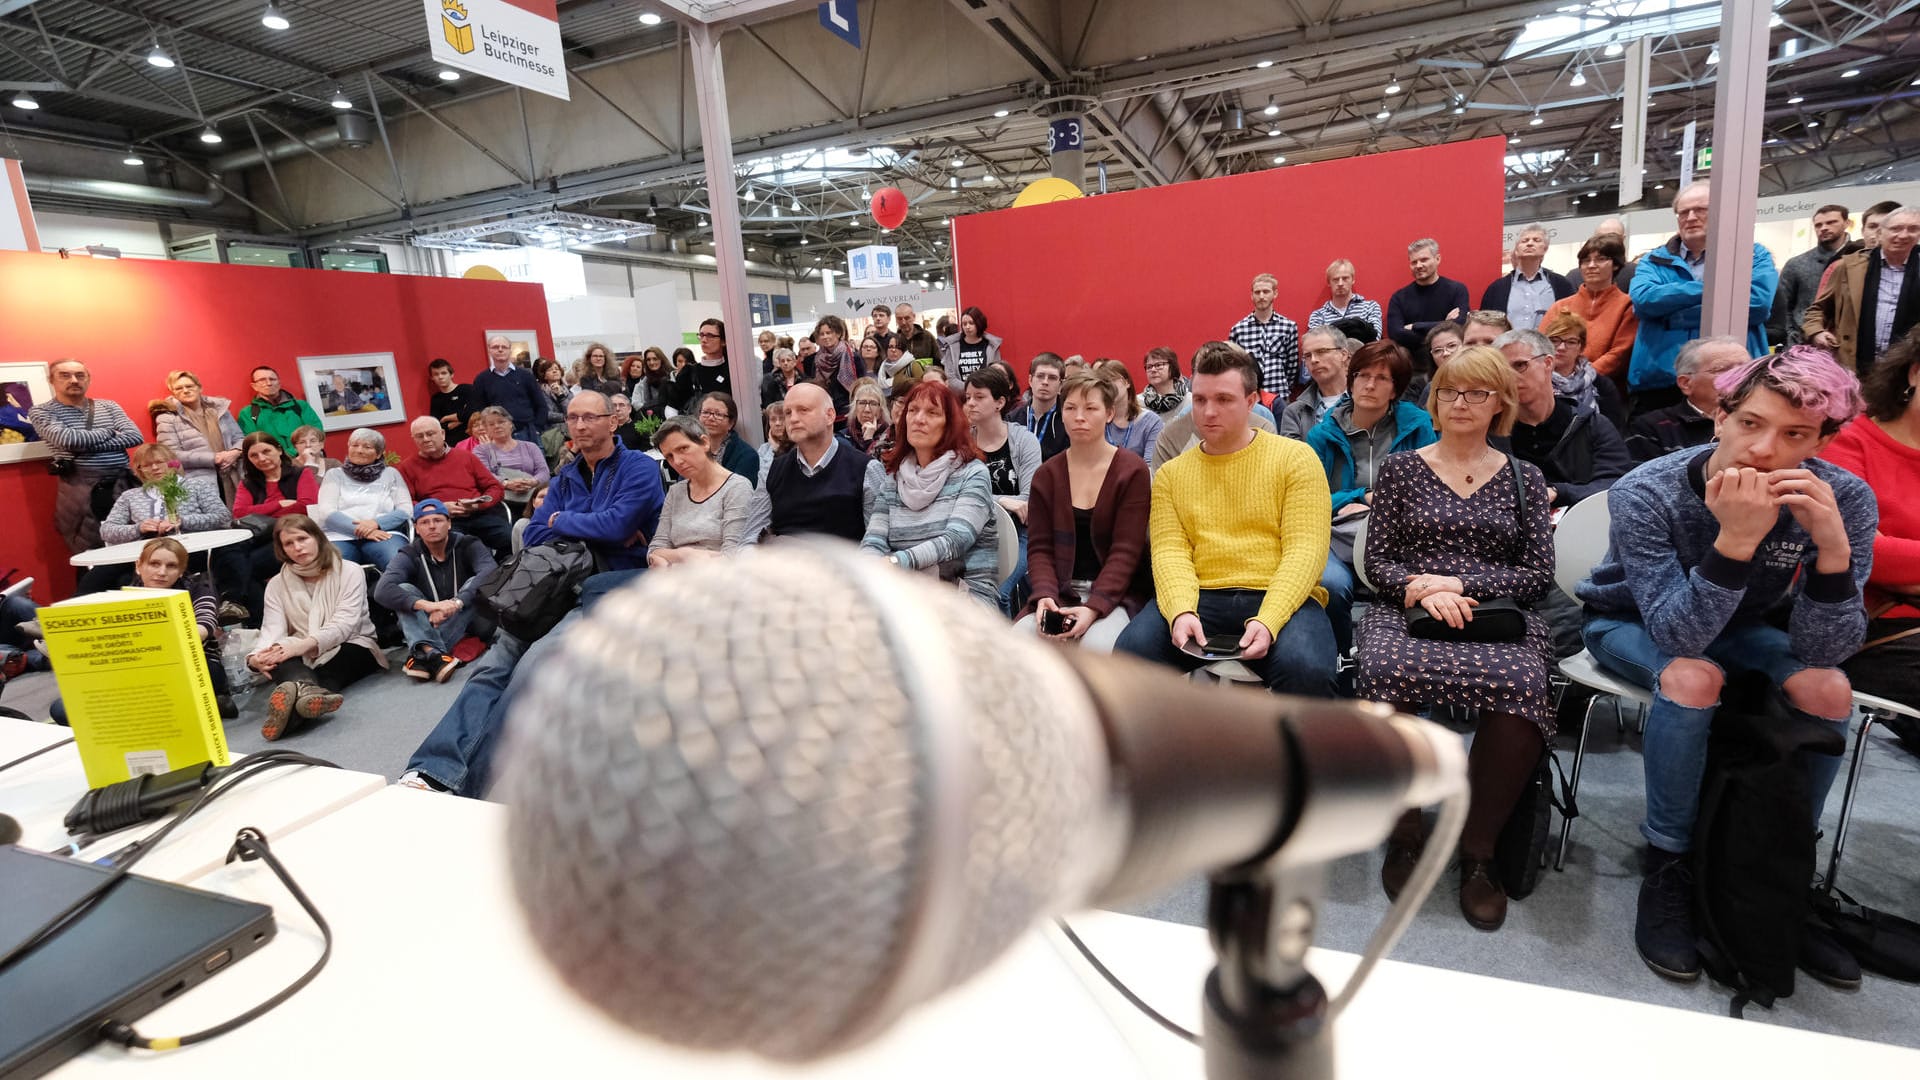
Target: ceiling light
[
  {"x": 1615, "y": 126},
  {"x": 341, "y": 100},
  {"x": 1271, "y": 109},
  {"x": 1274, "y": 133},
  {"x": 1614, "y": 48},
  {"x": 209, "y": 136},
  {"x": 999, "y": 114},
  {"x": 1593, "y": 194},
  {"x": 1521, "y": 186},
  {"x": 1393, "y": 88},
  {"x": 1553, "y": 183},
  {"x": 1579, "y": 78},
  {"x": 1776, "y": 21},
  {"x": 273, "y": 20},
  {"x": 1536, "y": 121},
  {"x": 1264, "y": 65},
  {"x": 1659, "y": 187},
  {"x": 1813, "y": 123},
  {"x": 803, "y": 241},
  {"x": 1797, "y": 99},
  {"x": 158, "y": 57},
  {"x": 448, "y": 75},
  {"x": 1382, "y": 114},
  {"x": 796, "y": 206},
  {"x": 1279, "y": 159},
  {"x": 133, "y": 159},
  {"x": 703, "y": 221},
  {"x": 1459, "y": 109},
  {"x": 749, "y": 251},
  {"x": 649, "y": 18},
  {"x": 958, "y": 162},
  {"x": 1714, "y": 56},
  {"x": 24, "y": 100},
  {"x": 1850, "y": 73}
]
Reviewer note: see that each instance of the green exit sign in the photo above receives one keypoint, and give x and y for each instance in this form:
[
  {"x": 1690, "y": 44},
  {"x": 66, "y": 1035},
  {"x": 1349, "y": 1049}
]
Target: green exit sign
[{"x": 1703, "y": 160}]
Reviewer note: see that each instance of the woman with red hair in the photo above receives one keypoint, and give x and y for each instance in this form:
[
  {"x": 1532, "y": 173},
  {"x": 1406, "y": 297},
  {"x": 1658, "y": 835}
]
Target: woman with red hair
[{"x": 934, "y": 507}]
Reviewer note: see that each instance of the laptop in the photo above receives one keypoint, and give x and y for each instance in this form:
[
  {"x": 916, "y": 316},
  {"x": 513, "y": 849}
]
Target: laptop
[{"x": 137, "y": 947}]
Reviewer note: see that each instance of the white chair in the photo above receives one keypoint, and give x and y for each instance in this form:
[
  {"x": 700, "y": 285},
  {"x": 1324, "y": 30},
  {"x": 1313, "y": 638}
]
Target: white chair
[
  {"x": 1872, "y": 710},
  {"x": 1008, "y": 540}
]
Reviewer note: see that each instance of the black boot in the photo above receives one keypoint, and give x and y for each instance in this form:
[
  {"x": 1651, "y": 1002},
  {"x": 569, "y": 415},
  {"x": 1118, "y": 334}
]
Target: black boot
[{"x": 1663, "y": 928}]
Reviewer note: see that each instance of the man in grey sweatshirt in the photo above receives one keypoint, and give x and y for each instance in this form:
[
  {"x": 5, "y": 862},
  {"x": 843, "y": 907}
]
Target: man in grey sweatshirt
[{"x": 1711, "y": 552}]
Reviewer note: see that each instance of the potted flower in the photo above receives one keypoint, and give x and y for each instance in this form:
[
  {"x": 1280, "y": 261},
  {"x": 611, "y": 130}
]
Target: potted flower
[{"x": 172, "y": 492}]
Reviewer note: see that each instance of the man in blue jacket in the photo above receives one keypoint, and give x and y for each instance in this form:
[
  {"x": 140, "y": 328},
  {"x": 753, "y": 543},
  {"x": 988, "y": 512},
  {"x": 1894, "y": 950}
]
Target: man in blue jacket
[
  {"x": 1666, "y": 292},
  {"x": 608, "y": 496},
  {"x": 1746, "y": 555}
]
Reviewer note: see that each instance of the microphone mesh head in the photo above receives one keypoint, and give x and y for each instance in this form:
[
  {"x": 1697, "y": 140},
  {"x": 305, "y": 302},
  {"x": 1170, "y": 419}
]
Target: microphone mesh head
[{"x": 769, "y": 802}]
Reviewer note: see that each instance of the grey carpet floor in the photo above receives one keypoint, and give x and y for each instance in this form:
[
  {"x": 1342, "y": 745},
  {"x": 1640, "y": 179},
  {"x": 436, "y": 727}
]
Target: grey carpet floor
[{"x": 1574, "y": 932}]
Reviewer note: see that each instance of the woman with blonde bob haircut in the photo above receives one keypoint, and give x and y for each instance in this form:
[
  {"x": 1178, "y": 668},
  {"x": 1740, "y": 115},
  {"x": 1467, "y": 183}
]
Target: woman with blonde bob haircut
[{"x": 1487, "y": 369}]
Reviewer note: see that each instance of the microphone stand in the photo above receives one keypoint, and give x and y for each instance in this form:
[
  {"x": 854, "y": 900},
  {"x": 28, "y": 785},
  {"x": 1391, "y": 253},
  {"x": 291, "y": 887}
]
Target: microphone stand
[{"x": 1266, "y": 1015}]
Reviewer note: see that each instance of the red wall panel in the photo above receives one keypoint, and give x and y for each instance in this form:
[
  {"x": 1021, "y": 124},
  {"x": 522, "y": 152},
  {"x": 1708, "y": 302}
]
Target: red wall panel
[
  {"x": 1119, "y": 274},
  {"x": 133, "y": 320}
]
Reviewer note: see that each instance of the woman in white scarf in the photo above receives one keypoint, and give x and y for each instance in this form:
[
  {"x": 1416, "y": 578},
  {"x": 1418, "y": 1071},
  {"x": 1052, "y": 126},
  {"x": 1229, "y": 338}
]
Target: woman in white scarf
[
  {"x": 315, "y": 637},
  {"x": 933, "y": 504}
]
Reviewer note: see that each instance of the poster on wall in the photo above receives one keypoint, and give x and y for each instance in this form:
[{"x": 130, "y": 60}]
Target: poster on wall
[
  {"x": 21, "y": 387},
  {"x": 354, "y": 390},
  {"x": 526, "y": 345}
]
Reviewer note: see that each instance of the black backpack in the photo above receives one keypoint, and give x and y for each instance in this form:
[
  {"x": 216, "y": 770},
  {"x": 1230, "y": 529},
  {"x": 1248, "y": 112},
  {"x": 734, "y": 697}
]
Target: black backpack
[
  {"x": 532, "y": 591},
  {"x": 1753, "y": 844},
  {"x": 1520, "y": 852}
]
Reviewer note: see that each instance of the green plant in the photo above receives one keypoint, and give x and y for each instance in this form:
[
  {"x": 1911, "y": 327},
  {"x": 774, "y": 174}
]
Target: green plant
[
  {"x": 393, "y": 459},
  {"x": 646, "y": 426},
  {"x": 172, "y": 490}
]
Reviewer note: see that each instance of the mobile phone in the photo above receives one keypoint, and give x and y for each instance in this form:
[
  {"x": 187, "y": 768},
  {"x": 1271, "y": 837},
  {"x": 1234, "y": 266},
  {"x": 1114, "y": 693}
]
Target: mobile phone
[{"x": 1053, "y": 622}]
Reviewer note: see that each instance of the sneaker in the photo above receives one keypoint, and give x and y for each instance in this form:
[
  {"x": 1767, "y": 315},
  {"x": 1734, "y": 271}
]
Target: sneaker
[
  {"x": 280, "y": 715},
  {"x": 1663, "y": 927},
  {"x": 413, "y": 779},
  {"x": 416, "y": 665},
  {"x": 230, "y": 613},
  {"x": 1826, "y": 960},
  {"x": 314, "y": 701},
  {"x": 441, "y": 666}
]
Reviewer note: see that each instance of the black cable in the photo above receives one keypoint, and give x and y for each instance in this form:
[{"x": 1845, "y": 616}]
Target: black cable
[
  {"x": 1114, "y": 981},
  {"x": 24, "y": 758}
]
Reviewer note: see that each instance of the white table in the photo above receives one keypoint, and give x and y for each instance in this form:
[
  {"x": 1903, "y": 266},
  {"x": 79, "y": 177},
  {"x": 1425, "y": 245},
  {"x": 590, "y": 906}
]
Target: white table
[
  {"x": 433, "y": 971},
  {"x": 194, "y": 542},
  {"x": 39, "y": 793},
  {"x": 1412, "y": 1020}
]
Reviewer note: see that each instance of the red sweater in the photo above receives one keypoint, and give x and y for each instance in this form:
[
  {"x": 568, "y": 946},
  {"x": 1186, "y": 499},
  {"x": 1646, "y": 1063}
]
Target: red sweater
[
  {"x": 309, "y": 491},
  {"x": 1892, "y": 470},
  {"x": 457, "y": 475}
]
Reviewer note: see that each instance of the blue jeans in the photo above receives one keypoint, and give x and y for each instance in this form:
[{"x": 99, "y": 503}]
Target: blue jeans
[
  {"x": 1674, "y": 750},
  {"x": 1013, "y": 589},
  {"x": 1301, "y": 660},
  {"x": 418, "y": 629},
  {"x": 458, "y": 753},
  {"x": 1338, "y": 580},
  {"x": 373, "y": 553}
]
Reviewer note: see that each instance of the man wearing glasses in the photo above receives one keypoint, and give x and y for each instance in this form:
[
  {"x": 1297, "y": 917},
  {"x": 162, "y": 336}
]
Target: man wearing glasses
[
  {"x": 708, "y": 372},
  {"x": 608, "y": 496},
  {"x": 1579, "y": 450},
  {"x": 275, "y": 411},
  {"x": 1666, "y": 292},
  {"x": 1325, "y": 351}
]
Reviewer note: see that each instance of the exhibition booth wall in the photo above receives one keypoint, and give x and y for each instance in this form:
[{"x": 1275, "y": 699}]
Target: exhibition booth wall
[
  {"x": 132, "y": 321},
  {"x": 1117, "y": 275}
]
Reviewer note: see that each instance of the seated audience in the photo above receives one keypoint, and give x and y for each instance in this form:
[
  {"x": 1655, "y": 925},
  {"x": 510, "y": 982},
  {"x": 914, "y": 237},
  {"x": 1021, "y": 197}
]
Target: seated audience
[
  {"x": 1443, "y": 341},
  {"x": 1166, "y": 392},
  {"x": 1181, "y": 435},
  {"x": 868, "y": 425},
  {"x": 1324, "y": 351},
  {"x": 707, "y": 515},
  {"x": 1239, "y": 534},
  {"x": 1574, "y": 378},
  {"x": 774, "y": 419},
  {"x": 1578, "y": 450},
  {"x": 775, "y": 384},
  {"x": 933, "y": 509},
  {"x": 1883, "y": 449},
  {"x": 516, "y": 463},
  {"x": 201, "y": 431},
  {"x": 1371, "y": 422},
  {"x": 457, "y": 479},
  {"x": 1040, "y": 412},
  {"x": 364, "y": 504},
  {"x": 608, "y": 496},
  {"x": 1604, "y": 307},
  {"x": 432, "y": 585},
  {"x": 1704, "y": 576},
  {"x": 316, "y": 638},
  {"x": 718, "y": 414},
  {"x": 821, "y": 484},
  {"x": 141, "y": 512},
  {"x": 1483, "y": 326},
  {"x": 270, "y": 486},
  {"x": 871, "y": 355},
  {"x": 1449, "y": 533},
  {"x": 1012, "y": 456},
  {"x": 624, "y": 429},
  {"x": 897, "y": 358},
  {"x": 1087, "y": 548},
  {"x": 1689, "y": 422},
  {"x": 310, "y": 452},
  {"x": 1134, "y": 427}
]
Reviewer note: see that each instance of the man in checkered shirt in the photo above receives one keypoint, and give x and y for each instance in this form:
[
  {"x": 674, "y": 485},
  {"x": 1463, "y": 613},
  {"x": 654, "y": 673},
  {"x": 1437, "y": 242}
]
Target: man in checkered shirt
[{"x": 1271, "y": 338}]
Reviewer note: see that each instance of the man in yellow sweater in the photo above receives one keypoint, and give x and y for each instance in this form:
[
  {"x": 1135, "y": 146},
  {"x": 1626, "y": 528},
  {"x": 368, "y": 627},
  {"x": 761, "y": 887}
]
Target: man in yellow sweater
[{"x": 1239, "y": 536}]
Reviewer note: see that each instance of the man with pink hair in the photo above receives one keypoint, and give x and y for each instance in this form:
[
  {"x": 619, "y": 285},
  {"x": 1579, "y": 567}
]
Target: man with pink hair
[{"x": 1702, "y": 571}]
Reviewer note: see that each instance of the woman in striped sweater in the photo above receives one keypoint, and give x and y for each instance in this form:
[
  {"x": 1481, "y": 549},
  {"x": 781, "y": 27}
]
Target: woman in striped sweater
[{"x": 934, "y": 510}]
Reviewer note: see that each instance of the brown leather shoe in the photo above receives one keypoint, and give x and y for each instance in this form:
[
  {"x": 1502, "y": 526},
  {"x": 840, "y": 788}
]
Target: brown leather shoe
[
  {"x": 1404, "y": 844},
  {"x": 1482, "y": 900}
]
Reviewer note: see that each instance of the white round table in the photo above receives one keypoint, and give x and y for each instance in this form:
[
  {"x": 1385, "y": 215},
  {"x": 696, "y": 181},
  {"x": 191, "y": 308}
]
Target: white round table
[{"x": 114, "y": 554}]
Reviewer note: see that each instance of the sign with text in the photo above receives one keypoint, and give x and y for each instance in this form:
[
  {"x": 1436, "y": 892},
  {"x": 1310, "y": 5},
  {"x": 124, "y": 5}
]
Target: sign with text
[
  {"x": 872, "y": 266},
  {"x": 515, "y": 41}
]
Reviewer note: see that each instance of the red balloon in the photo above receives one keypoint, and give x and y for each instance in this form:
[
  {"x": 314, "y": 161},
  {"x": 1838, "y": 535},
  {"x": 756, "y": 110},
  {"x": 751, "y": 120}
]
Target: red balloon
[{"x": 889, "y": 207}]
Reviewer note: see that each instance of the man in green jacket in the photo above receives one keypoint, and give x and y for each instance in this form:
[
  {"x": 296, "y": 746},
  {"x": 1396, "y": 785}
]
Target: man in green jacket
[{"x": 275, "y": 411}]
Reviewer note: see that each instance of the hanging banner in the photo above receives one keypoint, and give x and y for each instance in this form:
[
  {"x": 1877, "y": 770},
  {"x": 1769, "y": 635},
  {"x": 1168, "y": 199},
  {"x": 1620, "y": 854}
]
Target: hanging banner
[{"x": 514, "y": 41}]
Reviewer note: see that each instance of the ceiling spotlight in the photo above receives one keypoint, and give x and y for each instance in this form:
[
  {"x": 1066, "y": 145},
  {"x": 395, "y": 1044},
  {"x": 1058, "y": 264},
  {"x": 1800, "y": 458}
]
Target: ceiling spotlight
[
  {"x": 1383, "y": 114},
  {"x": 1795, "y": 99},
  {"x": 796, "y": 206},
  {"x": 999, "y": 114},
  {"x": 1271, "y": 109},
  {"x": 133, "y": 159},
  {"x": 1274, "y": 133},
  {"x": 1536, "y": 121},
  {"x": 209, "y": 136},
  {"x": 1813, "y": 123},
  {"x": 1521, "y": 186},
  {"x": 1458, "y": 108},
  {"x": 158, "y": 57},
  {"x": 341, "y": 100},
  {"x": 24, "y": 100},
  {"x": 958, "y": 162},
  {"x": 1393, "y": 88},
  {"x": 1279, "y": 159},
  {"x": 273, "y": 20},
  {"x": 649, "y": 18},
  {"x": 1714, "y": 56},
  {"x": 1850, "y": 73},
  {"x": 749, "y": 251},
  {"x": 1513, "y": 140},
  {"x": 703, "y": 221},
  {"x": 1614, "y": 48},
  {"x": 448, "y": 75},
  {"x": 803, "y": 241},
  {"x": 1659, "y": 187},
  {"x": 1264, "y": 65},
  {"x": 1579, "y": 77},
  {"x": 1615, "y": 126}
]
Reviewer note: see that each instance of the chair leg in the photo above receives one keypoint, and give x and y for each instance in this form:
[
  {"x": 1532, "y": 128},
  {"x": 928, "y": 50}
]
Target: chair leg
[
  {"x": 1619, "y": 716},
  {"x": 1573, "y": 782},
  {"x": 1867, "y": 718}
]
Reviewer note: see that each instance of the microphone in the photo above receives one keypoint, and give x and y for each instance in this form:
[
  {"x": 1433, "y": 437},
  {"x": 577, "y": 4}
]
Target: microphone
[{"x": 773, "y": 801}]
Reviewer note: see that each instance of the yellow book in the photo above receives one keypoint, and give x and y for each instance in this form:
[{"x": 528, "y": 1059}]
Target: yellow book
[{"x": 135, "y": 682}]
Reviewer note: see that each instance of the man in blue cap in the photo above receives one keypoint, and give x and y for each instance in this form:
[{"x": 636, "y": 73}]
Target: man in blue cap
[{"x": 432, "y": 584}]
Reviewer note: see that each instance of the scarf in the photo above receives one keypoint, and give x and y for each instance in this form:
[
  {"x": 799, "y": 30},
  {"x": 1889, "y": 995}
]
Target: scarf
[
  {"x": 312, "y": 595},
  {"x": 920, "y": 486},
  {"x": 364, "y": 474},
  {"x": 834, "y": 364},
  {"x": 1578, "y": 386},
  {"x": 1905, "y": 312},
  {"x": 1166, "y": 403}
]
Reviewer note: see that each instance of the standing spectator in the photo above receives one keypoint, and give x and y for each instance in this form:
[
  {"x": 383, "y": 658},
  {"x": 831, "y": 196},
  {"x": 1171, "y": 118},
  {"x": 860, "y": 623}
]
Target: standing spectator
[
  {"x": 1691, "y": 421},
  {"x": 552, "y": 380},
  {"x": 970, "y": 349},
  {"x": 834, "y": 367},
  {"x": 1270, "y": 338},
  {"x": 1445, "y": 339},
  {"x": 1607, "y": 310},
  {"x": 767, "y": 343},
  {"x": 1166, "y": 392},
  {"x": 89, "y": 438},
  {"x": 518, "y": 465},
  {"x": 472, "y": 495},
  {"x": 1326, "y": 354},
  {"x": 648, "y": 384},
  {"x": 1132, "y": 427},
  {"x": 363, "y": 505},
  {"x": 1800, "y": 276},
  {"x": 705, "y": 516},
  {"x": 682, "y": 356},
  {"x": 1482, "y": 326},
  {"x": 718, "y": 414},
  {"x": 1577, "y": 378},
  {"x": 310, "y": 452},
  {"x": 275, "y": 411},
  {"x": 932, "y": 511},
  {"x": 1449, "y": 533},
  {"x": 1426, "y": 302},
  {"x": 597, "y": 370},
  {"x": 704, "y": 374},
  {"x": 1527, "y": 292},
  {"x": 432, "y": 586},
  {"x": 452, "y": 401},
  {"x": 1040, "y": 413},
  {"x": 1869, "y": 238},
  {"x": 879, "y": 321},
  {"x": 204, "y": 437},
  {"x": 1239, "y": 539},
  {"x": 1667, "y": 290},
  {"x": 1345, "y": 303},
  {"x": 1578, "y": 450},
  {"x": 871, "y": 357},
  {"x": 1873, "y": 297},
  {"x": 1702, "y": 572},
  {"x": 1617, "y": 229},
  {"x": 316, "y": 638},
  {"x": 513, "y": 389}
]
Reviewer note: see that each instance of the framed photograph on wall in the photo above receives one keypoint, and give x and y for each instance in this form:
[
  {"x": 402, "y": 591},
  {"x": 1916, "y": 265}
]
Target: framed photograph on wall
[
  {"x": 22, "y": 386},
  {"x": 524, "y": 341},
  {"x": 356, "y": 390}
]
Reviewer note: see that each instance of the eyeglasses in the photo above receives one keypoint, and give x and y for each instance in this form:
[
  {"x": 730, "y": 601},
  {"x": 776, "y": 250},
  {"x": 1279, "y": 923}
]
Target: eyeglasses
[
  {"x": 586, "y": 418},
  {"x": 1472, "y": 397},
  {"x": 1567, "y": 342},
  {"x": 1691, "y": 211},
  {"x": 705, "y": 415},
  {"x": 1521, "y": 367},
  {"x": 1326, "y": 352},
  {"x": 708, "y": 334}
]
